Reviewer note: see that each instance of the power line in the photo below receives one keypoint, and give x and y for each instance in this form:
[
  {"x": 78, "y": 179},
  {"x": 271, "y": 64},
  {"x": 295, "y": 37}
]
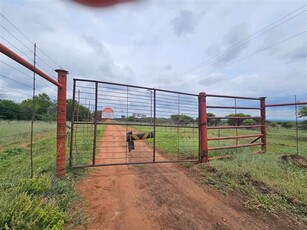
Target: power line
[
  {"x": 240, "y": 59},
  {"x": 16, "y": 38},
  {"x": 10, "y": 89},
  {"x": 49, "y": 58},
  {"x": 17, "y": 29},
  {"x": 16, "y": 47},
  {"x": 24, "y": 73},
  {"x": 245, "y": 40},
  {"x": 28, "y": 40},
  {"x": 3, "y": 76}
]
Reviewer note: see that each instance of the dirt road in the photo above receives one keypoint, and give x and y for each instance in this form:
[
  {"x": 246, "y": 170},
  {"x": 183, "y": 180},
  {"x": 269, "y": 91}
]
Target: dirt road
[{"x": 160, "y": 196}]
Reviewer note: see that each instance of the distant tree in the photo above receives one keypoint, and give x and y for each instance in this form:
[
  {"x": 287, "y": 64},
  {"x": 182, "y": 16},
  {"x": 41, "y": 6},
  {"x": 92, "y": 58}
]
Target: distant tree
[
  {"x": 211, "y": 121},
  {"x": 42, "y": 104},
  {"x": 237, "y": 121},
  {"x": 302, "y": 111},
  {"x": 181, "y": 119},
  {"x": 84, "y": 113},
  {"x": 9, "y": 110},
  {"x": 287, "y": 125}
]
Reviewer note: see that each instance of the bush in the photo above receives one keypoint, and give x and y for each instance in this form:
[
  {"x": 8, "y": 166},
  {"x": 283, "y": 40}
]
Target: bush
[
  {"x": 29, "y": 209},
  {"x": 287, "y": 125}
]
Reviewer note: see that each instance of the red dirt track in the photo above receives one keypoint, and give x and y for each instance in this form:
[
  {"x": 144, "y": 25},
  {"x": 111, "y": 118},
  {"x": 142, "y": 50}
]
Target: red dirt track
[{"x": 161, "y": 196}]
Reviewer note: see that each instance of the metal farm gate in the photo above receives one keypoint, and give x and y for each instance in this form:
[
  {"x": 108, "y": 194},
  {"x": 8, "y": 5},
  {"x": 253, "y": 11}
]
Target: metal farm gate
[{"x": 116, "y": 124}]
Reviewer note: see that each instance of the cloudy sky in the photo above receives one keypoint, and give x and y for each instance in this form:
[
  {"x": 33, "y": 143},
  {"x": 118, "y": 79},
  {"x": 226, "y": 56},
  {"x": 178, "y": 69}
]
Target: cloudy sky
[{"x": 244, "y": 47}]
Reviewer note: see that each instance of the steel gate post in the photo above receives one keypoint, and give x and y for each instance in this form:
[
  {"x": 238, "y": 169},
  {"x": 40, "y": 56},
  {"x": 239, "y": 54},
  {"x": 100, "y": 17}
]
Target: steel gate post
[
  {"x": 61, "y": 123},
  {"x": 203, "y": 132},
  {"x": 154, "y": 124},
  {"x": 95, "y": 124},
  {"x": 263, "y": 125},
  {"x": 72, "y": 123}
]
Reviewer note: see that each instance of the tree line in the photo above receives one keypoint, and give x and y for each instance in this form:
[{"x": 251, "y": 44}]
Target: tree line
[{"x": 44, "y": 109}]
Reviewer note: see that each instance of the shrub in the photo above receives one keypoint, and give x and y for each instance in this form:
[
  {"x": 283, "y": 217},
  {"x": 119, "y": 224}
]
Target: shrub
[{"x": 287, "y": 125}]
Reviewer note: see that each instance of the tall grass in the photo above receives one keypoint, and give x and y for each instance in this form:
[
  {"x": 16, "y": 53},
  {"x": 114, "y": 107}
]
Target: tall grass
[
  {"x": 42, "y": 202},
  {"x": 14, "y": 133}
]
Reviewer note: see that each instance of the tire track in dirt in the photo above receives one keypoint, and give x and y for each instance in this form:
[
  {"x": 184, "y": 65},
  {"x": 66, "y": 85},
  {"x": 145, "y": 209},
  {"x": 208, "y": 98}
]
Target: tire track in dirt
[{"x": 155, "y": 196}]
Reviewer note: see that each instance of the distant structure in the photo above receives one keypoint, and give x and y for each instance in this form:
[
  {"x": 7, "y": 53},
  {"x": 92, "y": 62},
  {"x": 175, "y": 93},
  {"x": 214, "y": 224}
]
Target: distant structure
[{"x": 139, "y": 115}]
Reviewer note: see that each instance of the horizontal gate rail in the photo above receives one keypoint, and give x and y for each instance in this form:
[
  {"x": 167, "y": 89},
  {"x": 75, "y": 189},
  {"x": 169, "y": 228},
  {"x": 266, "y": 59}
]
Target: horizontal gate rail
[
  {"x": 136, "y": 163},
  {"x": 233, "y": 137},
  {"x": 287, "y": 104},
  {"x": 231, "y": 107},
  {"x": 233, "y": 117},
  {"x": 235, "y": 127},
  {"x": 234, "y": 146}
]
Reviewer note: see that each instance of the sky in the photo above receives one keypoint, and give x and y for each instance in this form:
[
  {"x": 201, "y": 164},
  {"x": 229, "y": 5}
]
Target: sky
[{"x": 252, "y": 48}]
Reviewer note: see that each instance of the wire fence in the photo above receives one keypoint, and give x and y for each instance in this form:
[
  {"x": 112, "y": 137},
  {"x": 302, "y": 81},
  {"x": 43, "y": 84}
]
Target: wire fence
[
  {"x": 27, "y": 102},
  {"x": 286, "y": 125}
]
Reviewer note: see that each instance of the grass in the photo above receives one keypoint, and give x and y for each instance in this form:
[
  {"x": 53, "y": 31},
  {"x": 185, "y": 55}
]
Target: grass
[
  {"x": 15, "y": 133},
  {"x": 83, "y": 143},
  {"x": 41, "y": 202},
  {"x": 267, "y": 181}
]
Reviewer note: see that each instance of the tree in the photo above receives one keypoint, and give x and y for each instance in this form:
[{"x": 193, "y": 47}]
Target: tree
[
  {"x": 9, "y": 110},
  {"x": 83, "y": 114},
  {"x": 237, "y": 121},
  {"x": 212, "y": 121},
  {"x": 42, "y": 105},
  {"x": 181, "y": 119},
  {"x": 303, "y": 111}
]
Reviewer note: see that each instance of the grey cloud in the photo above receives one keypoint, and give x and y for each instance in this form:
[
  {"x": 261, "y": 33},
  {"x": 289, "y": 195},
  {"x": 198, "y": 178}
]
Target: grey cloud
[
  {"x": 184, "y": 23},
  {"x": 212, "y": 79},
  {"x": 95, "y": 44},
  {"x": 168, "y": 67},
  {"x": 232, "y": 38},
  {"x": 297, "y": 53}
]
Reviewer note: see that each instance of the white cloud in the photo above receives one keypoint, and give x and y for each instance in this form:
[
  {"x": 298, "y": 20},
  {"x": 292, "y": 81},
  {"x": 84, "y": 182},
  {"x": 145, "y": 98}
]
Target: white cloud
[{"x": 136, "y": 44}]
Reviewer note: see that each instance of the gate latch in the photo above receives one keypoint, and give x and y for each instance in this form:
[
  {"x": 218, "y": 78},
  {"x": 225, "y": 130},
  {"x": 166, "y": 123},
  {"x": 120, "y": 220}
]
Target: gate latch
[{"x": 135, "y": 137}]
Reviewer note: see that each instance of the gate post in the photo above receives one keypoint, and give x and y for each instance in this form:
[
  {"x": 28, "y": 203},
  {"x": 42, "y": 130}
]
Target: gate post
[
  {"x": 263, "y": 125},
  {"x": 203, "y": 134},
  {"x": 61, "y": 123}
]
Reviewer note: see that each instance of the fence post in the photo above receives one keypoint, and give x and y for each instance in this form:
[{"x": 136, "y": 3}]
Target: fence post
[
  {"x": 263, "y": 124},
  {"x": 61, "y": 123},
  {"x": 203, "y": 134}
]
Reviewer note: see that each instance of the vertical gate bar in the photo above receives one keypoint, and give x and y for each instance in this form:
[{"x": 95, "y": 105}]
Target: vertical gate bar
[
  {"x": 72, "y": 122},
  {"x": 95, "y": 124},
  {"x": 296, "y": 123},
  {"x": 203, "y": 154},
  {"x": 154, "y": 124},
  {"x": 61, "y": 123},
  {"x": 178, "y": 130},
  {"x": 263, "y": 126},
  {"x": 236, "y": 140},
  {"x": 127, "y": 115}
]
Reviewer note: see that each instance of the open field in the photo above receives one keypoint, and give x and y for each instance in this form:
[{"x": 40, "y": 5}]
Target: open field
[
  {"x": 14, "y": 133},
  {"x": 267, "y": 181},
  {"x": 43, "y": 202}
]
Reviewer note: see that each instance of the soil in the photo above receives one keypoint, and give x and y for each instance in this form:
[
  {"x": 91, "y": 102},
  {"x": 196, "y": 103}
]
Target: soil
[
  {"x": 296, "y": 159},
  {"x": 161, "y": 196}
]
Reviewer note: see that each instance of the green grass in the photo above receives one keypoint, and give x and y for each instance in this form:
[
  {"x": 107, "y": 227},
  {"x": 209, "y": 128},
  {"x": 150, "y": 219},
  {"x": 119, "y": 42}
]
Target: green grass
[
  {"x": 14, "y": 133},
  {"x": 41, "y": 202},
  {"x": 267, "y": 181},
  {"x": 83, "y": 143}
]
